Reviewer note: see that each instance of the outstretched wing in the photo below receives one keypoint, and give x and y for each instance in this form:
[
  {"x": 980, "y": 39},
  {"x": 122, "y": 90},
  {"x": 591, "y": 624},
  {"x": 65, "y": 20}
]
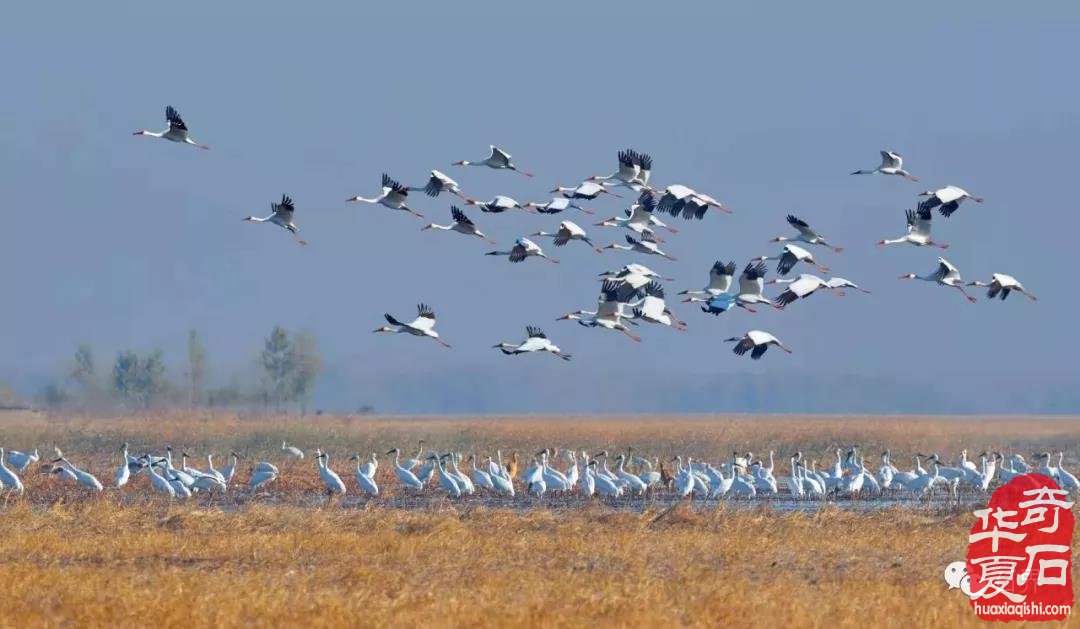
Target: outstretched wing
[
  {"x": 630, "y": 240},
  {"x": 647, "y": 202},
  {"x": 758, "y": 352},
  {"x": 654, "y": 289},
  {"x": 389, "y": 182},
  {"x": 648, "y": 237},
  {"x": 391, "y": 320},
  {"x": 744, "y": 345},
  {"x": 459, "y": 216},
  {"x": 434, "y": 187},
  {"x": 424, "y": 311},
  {"x": 787, "y": 262},
  {"x": 517, "y": 253},
  {"x": 175, "y": 121},
  {"x": 797, "y": 222},
  {"x": 754, "y": 271},
  {"x": 285, "y": 207},
  {"x": 534, "y": 332},
  {"x": 719, "y": 268}
]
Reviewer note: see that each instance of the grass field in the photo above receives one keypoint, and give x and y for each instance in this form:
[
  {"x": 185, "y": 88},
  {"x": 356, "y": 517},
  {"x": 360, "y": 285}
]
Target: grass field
[{"x": 69, "y": 558}]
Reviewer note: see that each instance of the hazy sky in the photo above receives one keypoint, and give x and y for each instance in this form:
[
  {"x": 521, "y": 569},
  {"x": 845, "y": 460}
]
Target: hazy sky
[{"x": 128, "y": 242}]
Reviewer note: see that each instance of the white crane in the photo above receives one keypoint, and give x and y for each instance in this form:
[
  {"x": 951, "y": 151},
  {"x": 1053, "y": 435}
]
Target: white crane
[
  {"x": 330, "y": 478},
  {"x": 439, "y": 183},
  {"x": 498, "y": 160},
  {"x": 123, "y": 473},
  {"x": 404, "y": 476},
  {"x": 422, "y": 325},
  {"x": 448, "y": 483},
  {"x": 647, "y": 245},
  {"x": 260, "y": 477},
  {"x": 633, "y": 172},
  {"x": 838, "y": 284},
  {"x": 292, "y": 451},
  {"x": 568, "y": 230},
  {"x": 806, "y": 234},
  {"x": 639, "y": 218},
  {"x": 537, "y": 341},
  {"x": 799, "y": 288},
  {"x": 1001, "y": 285},
  {"x": 177, "y": 131},
  {"x": 8, "y": 479},
  {"x": 523, "y": 248},
  {"x": 945, "y": 274},
  {"x": 158, "y": 482},
  {"x": 752, "y": 287},
  {"x": 554, "y": 206},
  {"x": 281, "y": 214},
  {"x": 461, "y": 224},
  {"x": 947, "y": 200},
  {"x": 394, "y": 196},
  {"x": 891, "y": 164},
  {"x": 720, "y": 278},
  {"x": 653, "y": 308},
  {"x": 21, "y": 460},
  {"x": 756, "y": 342},
  {"x": 366, "y": 482},
  {"x": 588, "y": 190},
  {"x": 681, "y": 200},
  {"x": 498, "y": 204},
  {"x": 86, "y": 479},
  {"x": 229, "y": 471},
  {"x": 789, "y": 257},
  {"x": 608, "y": 313},
  {"x": 918, "y": 231}
]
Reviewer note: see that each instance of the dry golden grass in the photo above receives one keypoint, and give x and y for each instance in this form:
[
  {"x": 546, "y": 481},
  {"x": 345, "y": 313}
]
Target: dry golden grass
[{"x": 67, "y": 558}]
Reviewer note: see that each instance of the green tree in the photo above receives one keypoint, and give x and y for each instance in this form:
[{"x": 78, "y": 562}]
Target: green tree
[
  {"x": 139, "y": 380},
  {"x": 53, "y": 395},
  {"x": 196, "y": 371},
  {"x": 305, "y": 364},
  {"x": 276, "y": 362}
]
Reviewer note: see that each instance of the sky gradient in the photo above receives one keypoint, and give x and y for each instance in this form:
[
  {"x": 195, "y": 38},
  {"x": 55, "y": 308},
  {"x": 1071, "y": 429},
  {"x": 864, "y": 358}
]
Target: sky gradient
[{"x": 122, "y": 241}]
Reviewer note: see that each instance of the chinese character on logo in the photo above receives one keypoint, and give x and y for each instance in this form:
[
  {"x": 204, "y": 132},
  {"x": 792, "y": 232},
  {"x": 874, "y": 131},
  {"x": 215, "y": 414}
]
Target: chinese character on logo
[{"x": 1019, "y": 552}]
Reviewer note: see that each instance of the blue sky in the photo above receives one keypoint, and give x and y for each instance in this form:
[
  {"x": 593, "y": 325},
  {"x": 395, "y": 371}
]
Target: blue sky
[{"x": 129, "y": 242}]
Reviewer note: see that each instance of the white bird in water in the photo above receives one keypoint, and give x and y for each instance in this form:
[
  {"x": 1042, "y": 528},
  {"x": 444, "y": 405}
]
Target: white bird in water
[
  {"x": 682, "y": 200},
  {"x": 461, "y": 225},
  {"x": 422, "y": 325},
  {"x": 588, "y": 190},
  {"x": 1001, "y": 285},
  {"x": 789, "y": 257},
  {"x": 537, "y": 341},
  {"x": 439, "y": 183},
  {"x": 756, "y": 342},
  {"x": 891, "y": 164},
  {"x": 523, "y": 248},
  {"x": 945, "y": 274},
  {"x": 499, "y": 160},
  {"x": 393, "y": 195},
  {"x": 720, "y": 277},
  {"x": 569, "y": 230},
  {"x": 177, "y": 131},
  {"x": 918, "y": 230},
  {"x": 498, "y": 204},
  {"x": 282, "y": 216},
  {"x": 554, "y": 206},
  {"x": 634, "y": 170},
  {"x": 647, "y": 244},
  {"x": 806, "y": 234},
  {"x": 947, "y": 200}
]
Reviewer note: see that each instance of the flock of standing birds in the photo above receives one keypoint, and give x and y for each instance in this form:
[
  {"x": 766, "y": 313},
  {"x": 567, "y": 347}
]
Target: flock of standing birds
[
  {"x": 563, "y": 472},
  {"x": 634, "y": 293},
  {"x": 629, "y": 296}
]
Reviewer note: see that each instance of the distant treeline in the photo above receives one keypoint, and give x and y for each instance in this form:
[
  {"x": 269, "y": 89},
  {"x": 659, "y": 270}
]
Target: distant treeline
[{"x": 284, "y": 375}]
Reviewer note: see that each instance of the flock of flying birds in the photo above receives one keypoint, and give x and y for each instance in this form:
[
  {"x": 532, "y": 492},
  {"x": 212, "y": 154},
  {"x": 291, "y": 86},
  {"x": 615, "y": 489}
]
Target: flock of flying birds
[{"x": 634, "y": 293}]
